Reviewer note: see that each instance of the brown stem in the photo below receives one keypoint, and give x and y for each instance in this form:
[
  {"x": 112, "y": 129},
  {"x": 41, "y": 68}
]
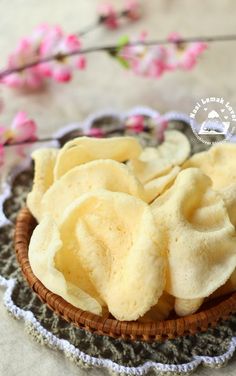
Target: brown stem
[
  {"x": 89, "y": 28},
  {"x": 49, "y": 139},
  {"x": 113, "y": 49},
  {"x": 18, "y": 143},
  {"x": 100, "y": 21}
]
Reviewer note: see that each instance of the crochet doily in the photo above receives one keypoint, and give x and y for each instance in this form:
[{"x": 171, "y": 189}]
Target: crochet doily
[{"x": 182, "y": 355}]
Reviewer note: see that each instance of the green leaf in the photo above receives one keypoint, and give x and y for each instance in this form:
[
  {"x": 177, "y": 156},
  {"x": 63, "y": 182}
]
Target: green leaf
[
  {"x": 122, "y": 61},
  {"x": 123, "y": 41}
]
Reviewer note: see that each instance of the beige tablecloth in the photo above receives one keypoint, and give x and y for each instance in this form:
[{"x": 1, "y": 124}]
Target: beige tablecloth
[{"x": 105, "y": 84}]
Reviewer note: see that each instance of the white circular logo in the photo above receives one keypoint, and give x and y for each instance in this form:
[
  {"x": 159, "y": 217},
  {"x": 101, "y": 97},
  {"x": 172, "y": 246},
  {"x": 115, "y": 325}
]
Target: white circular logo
[{"x": 213, "y": 120}]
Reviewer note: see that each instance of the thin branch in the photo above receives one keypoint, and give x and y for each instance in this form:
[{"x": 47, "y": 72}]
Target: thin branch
[
  {"x": 114, "y": 48},
  {"x": 89, "y": 28},
  {"x": 99, "y": 22},
  {"x": 40, "y": 140},
  {"x": 80, "y": 133}
]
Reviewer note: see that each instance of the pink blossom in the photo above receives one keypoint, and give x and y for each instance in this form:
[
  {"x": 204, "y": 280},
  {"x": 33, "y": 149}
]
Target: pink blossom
[
  {"x": 136, "y": 123},
  {"x": 160, "y": 124},
  {"x": 81, "y": 62},
  {"x": 153, "y": 61},
  {"x": 42, "y": 31},
  {"x": 44, "y": 41},
  {"x": 133, "y": 10},
  {"x": 62, "y": 68},
  {"x": 23, "y": 128},
  {"x": 149, "y": 61},
  {"x": 95, "y": 132},
  {"x": 108, "y": 15},
  {"x": 26, "y": 52},
  {"x": 183, "y": 55},
  {"x": 23, "y": 54}
]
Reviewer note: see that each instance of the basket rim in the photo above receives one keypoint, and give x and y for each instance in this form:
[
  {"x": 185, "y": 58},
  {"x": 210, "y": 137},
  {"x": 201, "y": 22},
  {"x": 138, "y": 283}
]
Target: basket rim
[{"x": 128, "y": 330}]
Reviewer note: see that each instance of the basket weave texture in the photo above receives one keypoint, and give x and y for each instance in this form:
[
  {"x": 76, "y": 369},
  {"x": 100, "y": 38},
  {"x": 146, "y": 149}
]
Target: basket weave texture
[{"x": 135, "y": 331}]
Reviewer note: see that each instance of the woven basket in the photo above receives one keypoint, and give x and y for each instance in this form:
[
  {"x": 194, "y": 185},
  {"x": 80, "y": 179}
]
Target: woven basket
[{"x": 148, "y": 331}]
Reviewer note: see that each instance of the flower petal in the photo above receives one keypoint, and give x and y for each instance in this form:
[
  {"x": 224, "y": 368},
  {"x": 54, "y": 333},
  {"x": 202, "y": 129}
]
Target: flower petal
[
  {"x": 62, "y": 73},
  {"x": 23, "y": 128}
]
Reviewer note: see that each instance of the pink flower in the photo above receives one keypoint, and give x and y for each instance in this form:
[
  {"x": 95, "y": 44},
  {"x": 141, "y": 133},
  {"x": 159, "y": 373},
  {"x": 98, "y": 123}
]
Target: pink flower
[
  {"x": 153, "y": 61},
  {"x": 23, "y": 54},
  {"x": 160, "y": 125},
  {"x": 23, "y": 128},
  {"x": 136, "y": 123},
  {"x": 183, "y": 55},
  {"x": 42, "y": 31},
  {"x": 44, "y": 41},
  {"x": 108, "y": 16},
  {"x": 27, "y": 51},
  {"x": 62, "y": 68},
  {"x": 95, "y": 132},
  {"x": 132, "y": 10},
  {"x": 144, "y": 60}
]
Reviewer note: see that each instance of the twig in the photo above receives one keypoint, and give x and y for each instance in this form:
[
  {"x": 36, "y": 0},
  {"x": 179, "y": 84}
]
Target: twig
[
  {"x": 89, "y": 28},
  {"x": 50, "y": 139},
  {"x": 114, "y": 48},
  {"x": 99, "y": 22},
  {"x": 46, "y": 139}
]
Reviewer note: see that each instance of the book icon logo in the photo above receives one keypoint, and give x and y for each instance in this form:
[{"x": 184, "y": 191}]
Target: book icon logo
[{"x": 213, "y": 120}]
